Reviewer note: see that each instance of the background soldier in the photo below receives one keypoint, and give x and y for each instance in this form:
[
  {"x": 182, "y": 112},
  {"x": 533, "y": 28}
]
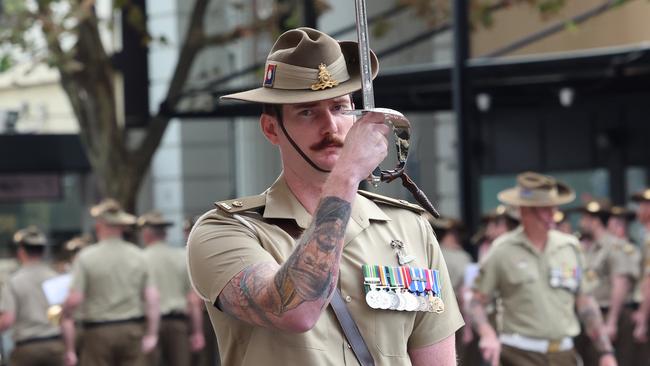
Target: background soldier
[
  {"x": 611, "y": 270},
  {"x": 641, "y": 316},
  {"x": 449, "y": 232},
  {"x": 24, "y": 306},
  {"x": 619, "y": 222},
  {"x": 536, "y": 272},
  {"x": 169, "y": 267},
  {"x": 113, "y": 286}
]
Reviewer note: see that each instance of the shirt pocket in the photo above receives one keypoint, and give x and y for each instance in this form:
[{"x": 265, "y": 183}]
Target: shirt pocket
[
  {"x": 519, "y": 273},
  {"x": 392, "y": 330}
]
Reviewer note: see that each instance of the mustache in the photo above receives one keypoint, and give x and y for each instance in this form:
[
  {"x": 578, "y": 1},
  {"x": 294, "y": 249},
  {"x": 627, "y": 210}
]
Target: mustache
[{"x": 327, "y": 141}]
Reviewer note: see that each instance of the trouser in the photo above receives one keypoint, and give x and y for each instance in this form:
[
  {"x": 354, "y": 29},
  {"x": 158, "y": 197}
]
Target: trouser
[
  {"x": 209, "y": 355},
  {"x": 511, "y": 356},
  {"x": 38, "y": 353},
  {"x": 628, "y": 351},
  {"x": 113, "y": 344},
  {"x": 173, "y": 347}
]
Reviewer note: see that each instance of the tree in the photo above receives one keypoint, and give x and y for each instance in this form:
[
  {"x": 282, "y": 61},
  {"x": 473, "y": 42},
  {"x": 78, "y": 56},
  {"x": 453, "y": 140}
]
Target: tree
[{"x": 87, "y": 73}]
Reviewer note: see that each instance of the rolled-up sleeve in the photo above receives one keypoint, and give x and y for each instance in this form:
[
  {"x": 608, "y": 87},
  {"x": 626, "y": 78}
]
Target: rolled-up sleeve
[{"x": 220, "y": 247}]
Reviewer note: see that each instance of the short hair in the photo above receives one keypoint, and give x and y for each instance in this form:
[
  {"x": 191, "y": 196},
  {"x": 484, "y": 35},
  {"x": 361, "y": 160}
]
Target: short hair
[{"x": 33, "y": 250}]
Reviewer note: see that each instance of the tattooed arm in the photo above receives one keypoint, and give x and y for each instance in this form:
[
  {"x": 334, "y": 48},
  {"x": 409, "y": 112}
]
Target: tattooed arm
[
  {"x": 591, "y": 318},
  {"x": 489, "y": 343},
  {"x": 291, "y": 297},
  {"x": 620, "y": 288}
]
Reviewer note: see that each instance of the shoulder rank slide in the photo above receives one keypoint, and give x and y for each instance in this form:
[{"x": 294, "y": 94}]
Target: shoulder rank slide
[{"x": 242, "y": 204}]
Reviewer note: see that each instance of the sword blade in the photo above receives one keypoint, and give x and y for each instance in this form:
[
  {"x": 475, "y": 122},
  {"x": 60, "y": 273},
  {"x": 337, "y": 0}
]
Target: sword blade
[{"x": 364, "y": 55}]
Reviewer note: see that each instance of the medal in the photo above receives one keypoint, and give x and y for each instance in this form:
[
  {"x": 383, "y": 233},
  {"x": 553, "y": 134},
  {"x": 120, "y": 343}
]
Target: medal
[
  {"x": 412, "y": 303},
  {"x": 437, "y": 305},
  {"x": 372, "y": 299}
]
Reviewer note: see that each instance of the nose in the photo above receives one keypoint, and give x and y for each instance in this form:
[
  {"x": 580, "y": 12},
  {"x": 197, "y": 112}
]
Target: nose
[{"x": 329, "y": 125}]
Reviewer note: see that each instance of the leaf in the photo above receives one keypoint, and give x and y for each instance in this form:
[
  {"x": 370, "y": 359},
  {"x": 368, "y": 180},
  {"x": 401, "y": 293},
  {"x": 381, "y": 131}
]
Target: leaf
[
  {"x": 5, "y": 63},
  {"x": 381, "y": 27}
]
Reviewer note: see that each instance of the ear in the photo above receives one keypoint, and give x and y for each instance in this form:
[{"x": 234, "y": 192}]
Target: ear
[{"x": 270, "y": 128}]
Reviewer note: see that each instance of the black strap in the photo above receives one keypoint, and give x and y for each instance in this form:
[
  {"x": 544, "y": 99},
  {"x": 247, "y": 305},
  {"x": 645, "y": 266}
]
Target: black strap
[{"x": 351, "y": 330}]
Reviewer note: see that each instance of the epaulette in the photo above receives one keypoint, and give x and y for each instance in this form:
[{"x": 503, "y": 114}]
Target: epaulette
[
  {"x": 392, "y": 201},
  {"x": 236, "y": 205}
]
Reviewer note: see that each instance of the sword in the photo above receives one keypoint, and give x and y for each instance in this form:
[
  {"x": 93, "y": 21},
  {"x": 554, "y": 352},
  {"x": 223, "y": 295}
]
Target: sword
[{"x": 400, "y": 124}]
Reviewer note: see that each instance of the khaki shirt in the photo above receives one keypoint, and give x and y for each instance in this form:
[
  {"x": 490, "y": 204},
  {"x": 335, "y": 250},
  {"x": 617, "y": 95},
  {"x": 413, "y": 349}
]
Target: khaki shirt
[
  {"x": 537, "y": 289},
  {"x": 607, "y": 257},
  {"x": 169, "y": 269},
  {"x": 112, "y": 276},
  {"x": 220, "y": 246},
  {"x": 646, "y": 256},
  {"x": 23, "y": 295},
  {"x": 457, "y": 260}
]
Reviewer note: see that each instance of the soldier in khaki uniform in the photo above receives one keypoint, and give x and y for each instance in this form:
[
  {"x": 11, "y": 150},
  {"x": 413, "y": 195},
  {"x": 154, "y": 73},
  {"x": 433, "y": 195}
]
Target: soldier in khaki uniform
[
  {"x": 113, "y": 287},
  {"x": 611, "y": 270},
  {"x": 641, "y": 317},
  {"x": 181, "y": 328},
  {"x": 537, "y": 273},
  {"x": 268, "y": 265},
  {"x": 449, "y": 231},
  {"x": 619, "y": 221},
  {"x": 24, "y": 307}
]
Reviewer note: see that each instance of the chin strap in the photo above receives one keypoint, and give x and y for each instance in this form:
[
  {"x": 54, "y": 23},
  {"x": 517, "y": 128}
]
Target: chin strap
[{"x": 295, "y": 146}]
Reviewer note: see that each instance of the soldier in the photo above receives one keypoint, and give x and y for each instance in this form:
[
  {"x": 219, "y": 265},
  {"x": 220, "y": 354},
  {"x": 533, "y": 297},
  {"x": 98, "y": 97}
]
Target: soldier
[
  {"x": 112, "y": 285},
  {"x": 536, "y": 272},
  {"x": 24, "y": 307},
  {"x": 611, "y": 270},
  {"x": 496, "y": 222},
  {"x": 271, "y": 264},
  {"x": 619, "y": 220},
  {"x": 641, "y": 317},
  {"x": 69, "y": 252},
  {"x": 562, "y": 222},
  {"x": 179, "y": 333},
  {"x": 450, "y": 233}
]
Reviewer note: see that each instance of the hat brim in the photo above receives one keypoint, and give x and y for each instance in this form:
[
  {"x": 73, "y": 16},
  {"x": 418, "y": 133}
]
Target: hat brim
[
  {"x": 512, "y": 196},
  {"x": 350, "y": 51},
  {"x": 118, "y": 219}
]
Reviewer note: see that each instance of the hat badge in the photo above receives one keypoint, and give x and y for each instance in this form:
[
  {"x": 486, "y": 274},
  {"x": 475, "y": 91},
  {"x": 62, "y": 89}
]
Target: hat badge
[{"x": 325, "y": 79}]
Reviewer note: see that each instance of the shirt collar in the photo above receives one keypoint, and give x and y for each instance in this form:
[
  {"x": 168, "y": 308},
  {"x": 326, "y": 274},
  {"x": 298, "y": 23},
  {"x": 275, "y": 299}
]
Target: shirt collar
[
  {"x": 281, "y": 203},
  {"x": 551, "y": 243}
]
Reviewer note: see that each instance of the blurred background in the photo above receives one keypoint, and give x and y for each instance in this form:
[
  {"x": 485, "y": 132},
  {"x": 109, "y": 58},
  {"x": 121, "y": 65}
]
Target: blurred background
[{"x": 120, "y": 98}]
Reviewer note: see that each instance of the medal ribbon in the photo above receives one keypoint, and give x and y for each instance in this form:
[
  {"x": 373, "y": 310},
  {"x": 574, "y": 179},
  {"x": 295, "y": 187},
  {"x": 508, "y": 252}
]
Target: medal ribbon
[
  {"x": 382, "y": 275},
  {"x": 417, "y": 283},
  {"x": 436, "y": 283},
  {"x": 407, "y": 277},
  {"x": 400, "y": 279},
  {"x": 429, "y": 285}
]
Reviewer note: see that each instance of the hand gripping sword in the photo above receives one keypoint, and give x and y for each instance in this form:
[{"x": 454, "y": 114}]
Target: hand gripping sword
[{"x": 400, "y": 124}]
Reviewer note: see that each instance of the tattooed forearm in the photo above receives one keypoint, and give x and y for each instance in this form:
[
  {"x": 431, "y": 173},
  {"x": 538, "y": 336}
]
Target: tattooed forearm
[
  {"x": 263, "y": 293},
  {"x": 591, "y": 318},
  {"x": 476, "y": 311}
]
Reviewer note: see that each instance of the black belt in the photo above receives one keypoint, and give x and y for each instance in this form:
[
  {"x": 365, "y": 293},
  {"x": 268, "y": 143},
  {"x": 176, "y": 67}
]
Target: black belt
[
  {"x": 94, "y": 324},
  {"x": 23, "y": 342},
  {"x": 174, "y": 315}
]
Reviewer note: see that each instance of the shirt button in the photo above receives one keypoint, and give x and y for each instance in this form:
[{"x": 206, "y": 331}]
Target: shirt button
[
  {"x": 348, "y": 299},
  {"x": 349, "y": 346}
]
